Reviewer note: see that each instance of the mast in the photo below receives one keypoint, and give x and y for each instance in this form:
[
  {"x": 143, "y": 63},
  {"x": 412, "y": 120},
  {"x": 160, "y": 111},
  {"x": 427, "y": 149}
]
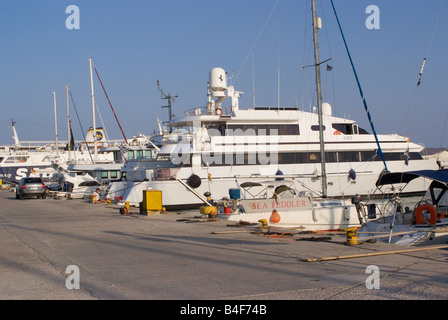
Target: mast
[
  {"x": 55, "y": 124},
  {"x": 93, "y": 112},
  {"x": 68, "y": 126},
  {"x": 316, "y": 26},
  {"x": 170, "y": 100}
]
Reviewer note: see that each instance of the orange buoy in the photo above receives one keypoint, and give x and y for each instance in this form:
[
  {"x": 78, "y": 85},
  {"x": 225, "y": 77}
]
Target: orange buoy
[
  {"x": 275, "y": 217},
  {"x": 419, "y": 219}
]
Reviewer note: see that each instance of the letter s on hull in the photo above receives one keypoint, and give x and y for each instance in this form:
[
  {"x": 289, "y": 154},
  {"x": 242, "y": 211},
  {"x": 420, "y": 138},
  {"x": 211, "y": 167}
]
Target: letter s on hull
[{"x": 21, "y": 173}]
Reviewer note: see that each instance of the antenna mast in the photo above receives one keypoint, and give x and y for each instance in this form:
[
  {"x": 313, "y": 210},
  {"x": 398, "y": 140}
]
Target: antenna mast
[{"x": 170, "y": 100}]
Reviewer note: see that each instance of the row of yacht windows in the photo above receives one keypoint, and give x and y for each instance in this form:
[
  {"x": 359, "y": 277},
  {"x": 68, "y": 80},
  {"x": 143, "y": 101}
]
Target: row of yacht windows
[
  {"x": 275, "y": 129},
  {"x": 22, "y": 159},
  {"x": 300, "y": 157},
  {"x": 270, "y": 129},
  {"x": 131, "y": 155}
]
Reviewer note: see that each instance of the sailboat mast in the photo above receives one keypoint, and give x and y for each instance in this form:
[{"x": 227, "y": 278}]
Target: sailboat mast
[
  {"x": 316, "y": 27},
  {"x": 93, "y": 112},
  {"x": 55, "y": 124},
  {"x": 68, "y": 126}
]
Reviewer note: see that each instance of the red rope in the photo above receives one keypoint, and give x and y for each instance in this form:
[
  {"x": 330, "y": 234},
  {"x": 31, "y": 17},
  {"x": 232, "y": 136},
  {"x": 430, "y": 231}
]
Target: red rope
[{"x": 110, "y": 104}]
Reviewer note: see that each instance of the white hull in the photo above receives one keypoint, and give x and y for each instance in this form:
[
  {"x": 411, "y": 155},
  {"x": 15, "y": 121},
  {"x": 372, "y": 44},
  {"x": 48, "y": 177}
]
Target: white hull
[
  {"x": 406, "y": 234},
  {"x": 320, "y": 215},
  {"x": 74, "y": 195},
  {"x": 116, "y": 190},
  {"x": 43, "y": 164},
  {"x": 174, "y": 194}
]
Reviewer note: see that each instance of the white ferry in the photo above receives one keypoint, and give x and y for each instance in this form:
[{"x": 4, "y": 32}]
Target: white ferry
[{"x": 42, "y": 159}]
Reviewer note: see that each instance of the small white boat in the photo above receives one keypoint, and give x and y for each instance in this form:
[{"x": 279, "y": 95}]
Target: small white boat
[
  {"x": 280, "y": 205},
  {"x": 77, "y": 186},
  {"x": 426, "y": 224}
]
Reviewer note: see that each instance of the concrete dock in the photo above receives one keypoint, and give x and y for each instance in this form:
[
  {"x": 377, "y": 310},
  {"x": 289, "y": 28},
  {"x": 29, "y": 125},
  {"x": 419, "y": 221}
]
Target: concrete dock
[{"x": 176, "y": 256}]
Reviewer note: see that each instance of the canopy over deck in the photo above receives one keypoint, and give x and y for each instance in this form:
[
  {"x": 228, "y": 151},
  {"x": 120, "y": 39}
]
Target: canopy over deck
[{"x": 406, "y": 177}]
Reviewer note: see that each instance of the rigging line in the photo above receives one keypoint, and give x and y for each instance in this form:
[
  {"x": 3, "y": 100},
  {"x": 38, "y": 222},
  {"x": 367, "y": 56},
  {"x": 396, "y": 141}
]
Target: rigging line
[
  {"x": 82, "y": 85},
  {"x": 102, "y": 123},
  {"x": 111, "y": 105},
  {"x": 302, "y": 85},
  {"x": 82, "y": 130},
  {"x": 423, "y": 65},
  {"x": 413, "y": 111},
  {"x": 256, "y": 40},
  {"x": 253, "y": 80},
  {"x": 33, "y": 123},
  {"x": 409, "y": 106},
  {"x": 435, "y": 27},
  {"x": 430, "y": 43},
  {"x": 443, "y": 133},
  {"x": 275, "y": 34},
  {"x": 379, "y": 151}
]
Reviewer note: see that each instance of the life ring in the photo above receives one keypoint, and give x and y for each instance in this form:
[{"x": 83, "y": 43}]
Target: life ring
[
  {"x": 218, "y": 111},
  {"x": 337, "y": 133},
  {"x": 419, "y": 219}
]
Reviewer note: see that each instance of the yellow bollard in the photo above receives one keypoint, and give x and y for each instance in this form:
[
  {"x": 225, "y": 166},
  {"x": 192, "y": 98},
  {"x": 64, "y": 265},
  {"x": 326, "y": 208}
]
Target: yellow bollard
[
  {"x": 352, "y": 236},
  {"x": 211, "y": 211},
  {"x": 264, "y": 223}
]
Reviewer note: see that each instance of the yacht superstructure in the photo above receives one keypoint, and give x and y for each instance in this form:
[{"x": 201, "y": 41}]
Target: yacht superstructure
[{"x": 217, "y": 147}]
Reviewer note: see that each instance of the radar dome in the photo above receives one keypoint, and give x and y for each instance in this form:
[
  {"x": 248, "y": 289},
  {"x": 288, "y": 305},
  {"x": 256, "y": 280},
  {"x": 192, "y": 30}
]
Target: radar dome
[
  {"x": 326, "y": 109},
  {"x": 218, "y": 79}
]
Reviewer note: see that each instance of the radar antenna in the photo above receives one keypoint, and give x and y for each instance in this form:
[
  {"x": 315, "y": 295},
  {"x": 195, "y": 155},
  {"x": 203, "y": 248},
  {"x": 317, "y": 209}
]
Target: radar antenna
[{"x": 170, "y": 100}]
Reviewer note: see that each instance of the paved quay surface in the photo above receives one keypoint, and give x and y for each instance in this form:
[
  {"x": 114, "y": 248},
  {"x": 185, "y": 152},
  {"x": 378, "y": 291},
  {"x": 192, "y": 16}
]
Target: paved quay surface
[{"x": 158, "y": 257}]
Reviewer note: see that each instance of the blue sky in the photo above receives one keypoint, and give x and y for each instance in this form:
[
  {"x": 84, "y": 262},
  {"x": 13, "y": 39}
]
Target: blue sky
[{"x": 135, "y": 43}]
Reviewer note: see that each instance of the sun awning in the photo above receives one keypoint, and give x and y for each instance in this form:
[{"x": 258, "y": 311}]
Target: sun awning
[{"x": 406, "y": 177}]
